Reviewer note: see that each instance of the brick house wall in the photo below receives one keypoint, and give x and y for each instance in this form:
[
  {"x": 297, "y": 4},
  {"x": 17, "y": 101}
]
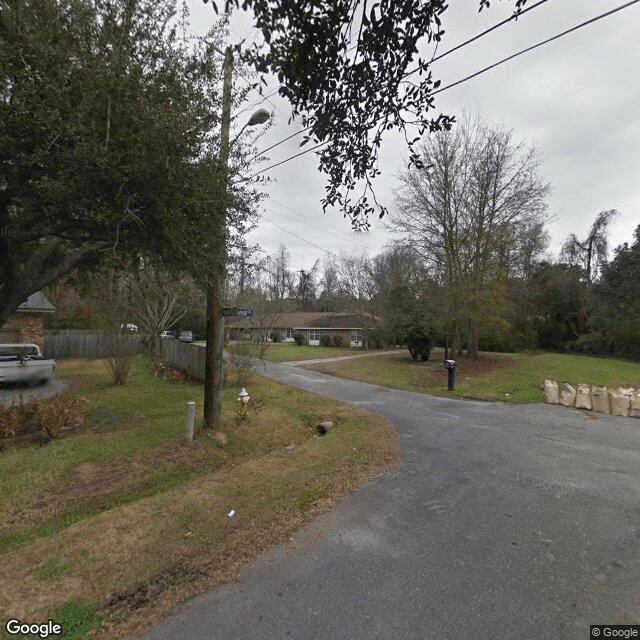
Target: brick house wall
[{"x": 30, "y": 327}]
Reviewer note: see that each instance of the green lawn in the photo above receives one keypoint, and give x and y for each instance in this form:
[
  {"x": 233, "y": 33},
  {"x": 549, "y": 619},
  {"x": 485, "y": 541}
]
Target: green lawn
[
  {"x": 128, "y": 502},
  {"x": 503, "y": 376}
]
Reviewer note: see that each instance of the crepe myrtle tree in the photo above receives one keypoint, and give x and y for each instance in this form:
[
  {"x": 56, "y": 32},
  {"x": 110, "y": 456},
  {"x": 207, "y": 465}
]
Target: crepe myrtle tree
[{"x": 352, "y": 70}]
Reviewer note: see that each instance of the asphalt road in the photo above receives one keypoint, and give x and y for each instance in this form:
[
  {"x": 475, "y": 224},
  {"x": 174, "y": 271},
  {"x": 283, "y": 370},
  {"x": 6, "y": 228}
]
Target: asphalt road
[{"x": 501, "y": 521}]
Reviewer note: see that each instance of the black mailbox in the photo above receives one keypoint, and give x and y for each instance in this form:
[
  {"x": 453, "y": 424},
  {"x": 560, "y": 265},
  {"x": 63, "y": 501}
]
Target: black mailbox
[{"x": 451, "y": 371}]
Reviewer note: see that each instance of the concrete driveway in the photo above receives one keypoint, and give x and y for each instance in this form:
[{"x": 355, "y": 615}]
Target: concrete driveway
[
  {"x": 11, "y": 393},
  {"x": 501, "y": 521}
]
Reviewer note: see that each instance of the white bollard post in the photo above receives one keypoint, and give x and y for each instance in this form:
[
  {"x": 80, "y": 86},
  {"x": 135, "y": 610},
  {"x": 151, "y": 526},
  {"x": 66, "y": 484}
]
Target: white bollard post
[{"x": 191, "y": 414}]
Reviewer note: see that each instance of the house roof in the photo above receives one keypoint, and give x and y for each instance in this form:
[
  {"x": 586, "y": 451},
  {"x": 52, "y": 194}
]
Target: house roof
[
  {"x": 37, "y": 302},
  {"x": 285, "y": 320},
  {"x": 309, "y": 320}
]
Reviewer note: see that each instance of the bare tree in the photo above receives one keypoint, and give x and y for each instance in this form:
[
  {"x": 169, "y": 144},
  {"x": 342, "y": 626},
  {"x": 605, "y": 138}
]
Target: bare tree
[
  {"x": 463, "y": 212},
  {"x": 279, "y": 273},
  {"x": 306, "y": 286},
  {"x": 329, "y": 286},
  {"x": 159, "y": 299}
]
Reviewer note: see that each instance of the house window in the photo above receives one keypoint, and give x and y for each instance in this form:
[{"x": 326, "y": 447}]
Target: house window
[
  {"x": 314, "y": 334},
  {"x": 288, "y": 334},
  {"x": 356, "y": 336}
]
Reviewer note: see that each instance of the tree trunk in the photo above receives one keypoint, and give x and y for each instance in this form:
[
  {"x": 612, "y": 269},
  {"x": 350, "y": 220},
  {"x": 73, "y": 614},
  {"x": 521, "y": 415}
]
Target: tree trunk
[
  {"x": 472, "y": 351},
  {"x": 456, "y": 342}
]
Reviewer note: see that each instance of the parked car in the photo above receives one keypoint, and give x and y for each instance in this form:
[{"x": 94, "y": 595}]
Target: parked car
[
  {"x": 166, "y": 334},
  {"x": 24, "y": 363},
  {"x": 129, "y": 327},
  {"x": 186, "y": 336}
]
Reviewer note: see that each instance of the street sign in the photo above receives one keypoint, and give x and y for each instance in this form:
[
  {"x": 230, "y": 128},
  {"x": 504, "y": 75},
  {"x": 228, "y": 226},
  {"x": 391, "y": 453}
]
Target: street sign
[{"x": 236, "y": 312}]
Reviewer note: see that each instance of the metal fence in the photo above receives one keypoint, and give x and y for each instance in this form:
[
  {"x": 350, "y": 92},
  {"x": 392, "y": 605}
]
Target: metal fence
[
  {"x": 183, "y": 356},
  {"x": 78, "y": 343}
]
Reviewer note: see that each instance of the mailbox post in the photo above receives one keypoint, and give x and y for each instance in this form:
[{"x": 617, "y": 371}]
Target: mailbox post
[{"x": 451, "y": 371}]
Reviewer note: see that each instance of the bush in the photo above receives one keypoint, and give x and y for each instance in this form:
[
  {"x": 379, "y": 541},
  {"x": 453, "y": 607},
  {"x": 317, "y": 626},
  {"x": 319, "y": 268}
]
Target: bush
[
  {"x": 162, "y": 369},
  {"x": 299, "y": 338},
  {"x": 325, "y": 341},
  {"x": 419, "y": 346},
  {"x": 275, "y": 336},
  {"x": 374, "y": 337},
  {"x": 47, "y": 415},
  {"x": 337, "y": 341},
  {"x": 120, "y": 349},
  {"x": 595, "y": 344},
  {"x": 242, "y": 359}
]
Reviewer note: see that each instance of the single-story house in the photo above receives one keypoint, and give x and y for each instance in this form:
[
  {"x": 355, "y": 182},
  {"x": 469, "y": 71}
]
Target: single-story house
[
  {"x": 312, "y": 324},
  {"x": 27, "y": 323}
]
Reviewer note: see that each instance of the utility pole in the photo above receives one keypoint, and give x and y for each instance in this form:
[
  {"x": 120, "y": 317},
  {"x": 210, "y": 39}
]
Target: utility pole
[{"x": 215, "y": 292}]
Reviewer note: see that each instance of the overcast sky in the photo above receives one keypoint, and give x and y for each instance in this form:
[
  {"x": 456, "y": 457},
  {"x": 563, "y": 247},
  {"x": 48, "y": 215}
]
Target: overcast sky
[{"x": 576, "y": 99}]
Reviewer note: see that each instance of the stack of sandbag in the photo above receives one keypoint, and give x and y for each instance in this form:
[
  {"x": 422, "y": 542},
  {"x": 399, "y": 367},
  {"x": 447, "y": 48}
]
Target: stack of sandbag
[{"x": 619, "y": 402}]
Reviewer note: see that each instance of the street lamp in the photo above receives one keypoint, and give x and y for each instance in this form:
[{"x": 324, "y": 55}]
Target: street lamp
[
  {"x": 215, "y": 290},
  {"x": 258, "y": 117}
]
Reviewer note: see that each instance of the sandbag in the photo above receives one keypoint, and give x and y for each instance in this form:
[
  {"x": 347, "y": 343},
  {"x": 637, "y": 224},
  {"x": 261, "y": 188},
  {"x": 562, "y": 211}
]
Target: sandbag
[
  {"x": 551, "y": 391},
  {"x": 600, "y": 399},
  {"x": 583, "y": 397},
  {"x": 634, "y": 410},
  {"x": 567, "y": 396},
  {"x": 620, "y": 402}
]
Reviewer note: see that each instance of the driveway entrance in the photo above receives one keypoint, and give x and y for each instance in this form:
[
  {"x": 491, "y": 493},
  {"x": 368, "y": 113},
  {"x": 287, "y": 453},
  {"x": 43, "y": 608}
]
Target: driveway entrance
[{"x": 501, "y": 521}]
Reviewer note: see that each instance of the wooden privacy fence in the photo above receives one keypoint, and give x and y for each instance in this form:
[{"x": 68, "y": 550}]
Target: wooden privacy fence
[
  {"x": 78, "y": 343},
  {"x": 183, "y": 356}
]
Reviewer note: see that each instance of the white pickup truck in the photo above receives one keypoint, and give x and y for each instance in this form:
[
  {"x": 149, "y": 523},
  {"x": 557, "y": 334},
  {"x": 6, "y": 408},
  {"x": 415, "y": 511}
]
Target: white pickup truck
[{"x": 24, "y": 363}]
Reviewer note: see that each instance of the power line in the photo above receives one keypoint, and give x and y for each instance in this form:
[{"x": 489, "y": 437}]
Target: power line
[
  {"x": 473, "y": 75},
  {"x": 535, "y": 46},
  {"x": 442, "y": 55},
  {"x": 277, "y": 164},
  {"x": 439, "y": 57},
  {"x": 337, "y": 234},
  {"x": 277, "y": 144},
  {"x": 256, "y": 103},
  {"x": 291, "y": 233},
  {"x": 251, "y": 86},
  {"x": 513, "y": 16}
]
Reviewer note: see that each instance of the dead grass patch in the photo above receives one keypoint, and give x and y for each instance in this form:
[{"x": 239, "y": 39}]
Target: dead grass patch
[
  {"x": 134, "y": 535},
  {"x": 133, "y": 554},
  {"x": 471, "y": 368}
]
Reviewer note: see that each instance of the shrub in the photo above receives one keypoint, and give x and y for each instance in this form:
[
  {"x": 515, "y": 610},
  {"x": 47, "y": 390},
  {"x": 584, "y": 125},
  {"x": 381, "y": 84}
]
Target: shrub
[
  {"x": 325, "y": 341},
  {"x": 596, "y": 344},
  {"x": 419, "y": 347},
  {"x": 162, "y": 369},
  {"x": 120, "y": 350},
  {"x": 47, "y": 415},
  {"x": 242, "y": 359},
  {"x": 275, "y": 336},
  {"x": 10, "y": 420},
  {"x": 374, "y": 337},
  {"x": 52, "y": 414},
  {"x": 419, "y": 340},
  {"x": 337, "y": 341},
  {"x": 299, "y": 338}
]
